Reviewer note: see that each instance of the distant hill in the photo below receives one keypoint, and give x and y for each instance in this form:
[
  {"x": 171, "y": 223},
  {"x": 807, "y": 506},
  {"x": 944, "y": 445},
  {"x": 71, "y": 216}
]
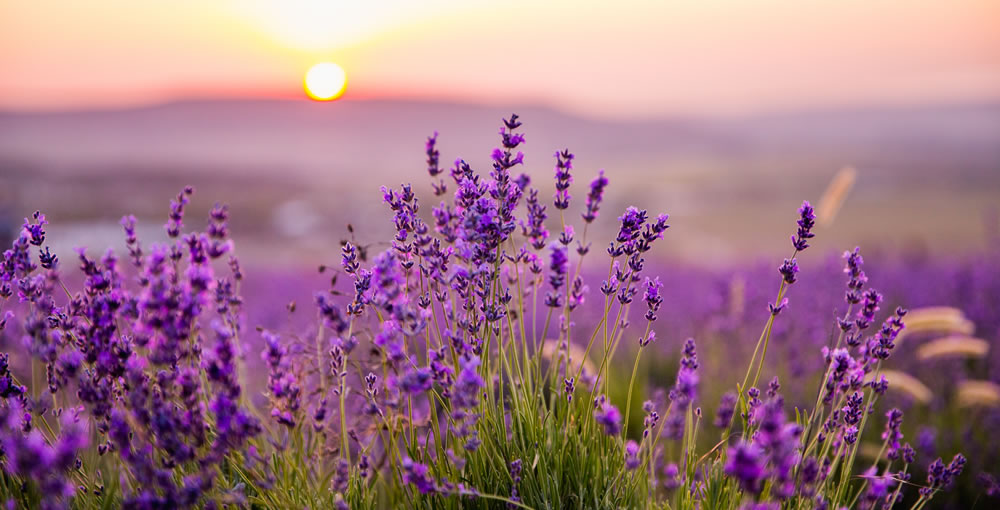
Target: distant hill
[
  {"x": 382, "y": 138},
  {"x": 924, "y": 171}
]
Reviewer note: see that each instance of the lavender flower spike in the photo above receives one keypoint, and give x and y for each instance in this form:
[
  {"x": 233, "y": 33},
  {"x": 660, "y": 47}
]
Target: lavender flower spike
[
  {"x": 806, "y": 222},
  {"x": 745, "y": 463},
  {"x": 564, "y": 163},
  {"x": 433, "y": 155},
  {"x": 595, "y": 197},
  {"x": 631, "y": 455},
  {"x": 608, "y": 417}
]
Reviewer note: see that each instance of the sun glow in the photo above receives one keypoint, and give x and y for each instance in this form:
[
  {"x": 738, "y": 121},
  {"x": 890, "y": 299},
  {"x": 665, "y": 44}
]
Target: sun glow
[{"x": 326, "y": 81}]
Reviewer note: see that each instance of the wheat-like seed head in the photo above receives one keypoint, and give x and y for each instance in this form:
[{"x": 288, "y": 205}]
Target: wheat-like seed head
[
  {"x": 907, "y": 384},
  {"x": 936, "y": 311},
  {"x": 937, "y": 319},
  {"x": 835, "y": 194},
  {"x": 953, "y": 347},
  {"x": 737, "y": 296},
  {"x": 978, "y": 393},
  {"x": 550, "y": 352}
]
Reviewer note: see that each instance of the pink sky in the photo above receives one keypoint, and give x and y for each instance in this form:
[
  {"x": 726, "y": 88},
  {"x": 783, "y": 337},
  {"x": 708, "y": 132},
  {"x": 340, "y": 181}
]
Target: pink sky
[{"x": 632, "y": 59}]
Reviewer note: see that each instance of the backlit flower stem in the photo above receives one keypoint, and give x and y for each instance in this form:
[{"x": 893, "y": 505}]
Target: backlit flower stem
[{"x": 631, "y": 382}]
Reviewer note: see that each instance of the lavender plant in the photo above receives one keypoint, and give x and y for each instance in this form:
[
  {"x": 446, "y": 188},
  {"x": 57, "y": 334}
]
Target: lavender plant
[{"x": 451, "y": 373}]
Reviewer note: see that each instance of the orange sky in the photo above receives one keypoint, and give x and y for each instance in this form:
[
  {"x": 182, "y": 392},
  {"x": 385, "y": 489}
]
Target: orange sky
[{"x": 632, "y": 59}]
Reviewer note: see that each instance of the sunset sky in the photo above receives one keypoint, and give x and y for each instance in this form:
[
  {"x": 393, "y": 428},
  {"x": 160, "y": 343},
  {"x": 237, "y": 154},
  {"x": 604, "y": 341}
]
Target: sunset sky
[{"x": 612, "y": 59}]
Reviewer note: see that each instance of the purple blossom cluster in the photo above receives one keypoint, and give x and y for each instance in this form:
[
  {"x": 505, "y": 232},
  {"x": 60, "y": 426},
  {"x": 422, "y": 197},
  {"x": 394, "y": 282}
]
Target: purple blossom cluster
[
  {"x": 607, "y": 416},
  {"x": 27, "y": 454},
  {"x": 445, "y": 366},
  {"x": 147, "y": 385}
]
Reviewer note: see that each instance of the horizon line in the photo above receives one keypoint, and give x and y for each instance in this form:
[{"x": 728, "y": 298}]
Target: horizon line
[{"x": 515, "y": 104}]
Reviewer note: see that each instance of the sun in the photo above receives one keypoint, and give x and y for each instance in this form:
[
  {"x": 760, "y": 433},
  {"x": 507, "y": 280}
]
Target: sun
[{"x": 325, "y": 81}]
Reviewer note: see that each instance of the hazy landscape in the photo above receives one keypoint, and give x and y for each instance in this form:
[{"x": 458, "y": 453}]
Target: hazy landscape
[
  {"x": 929, "y": 178},
  {"x": 479, "y": 255}
]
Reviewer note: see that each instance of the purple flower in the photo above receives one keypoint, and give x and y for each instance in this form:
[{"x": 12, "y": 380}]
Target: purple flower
[
  {"x": 175, "y": 222},
  {"x": 432, "y": 155},
  {"x": 534, "y": 229},
  {"x": 282, "y": 384},
  {"x": 578, "y": 293},
  {"x": 387, "y": 278},
  {"x": 8, "y": 388},
  {"x": 163, "y": 394},
  {"x": 504, "y": 160},
  {"x": 879, "y": 487},
  {"x": 773, "y": 387},
  {"x": 564, "y": 163},
  {"x": 332, "y": 315},
  {"x": 852, "y": 411},
  {"x": 892, "y": 434},
  {"x": 989, "y": 483},
  {"x": 512, "y": 123},
  {"x": 35, "y": 231},
  {"x": 780, "y": 440},
  {"x": 807, "y": 220},
  {"x": 745, "y": 462},
  {"x": 218, "y": 231},
  {"x": 273, "y": 352},
  {"x": 219, "y": 363},
  {"x": 515, "y": 477},
  {"x": 671, "y": 476},
  {"x": 134, "y": 249},
  {"x": 631, "y": 455},
  {"x": 651, "y": 233},
  {"x": 522, "y": 181},
  {"x": 940, "y": 476},
  {"x": 776, "y": 309},
  {"x": 566, "y": 237},
  {"x": 558, "y": 267},
  {"x": 851, "y": 434},
  {"x": 341, "y": 476},
  {"x": 73, "y": 438},
  {"x": 866, "y": 315},
  {"x": 652, "y": 298},
  {"x": 469, "y": 384},
  {"x": 883, "y": 343},
  {"x": 416, "y": 381},
  {"x": 608, "y": 417},
  {"x": 686, "y": 386},
  {"x": 673, "y": 425},
  {"x": 631, "y": 225},
  {"x": 724, "y": 414},
  {"x": 28, "y": 455},
  {"x": 788, "y": 269},
  {"x": 651, "y": 419},
  {"x": 47, "y": 260},
  {"x": 595, "y": 197},
  {"x": 646, "y": 340},
  {"x": 927, "y": 440},
  {"x": 857, "y": 278},
  {"x": 752, "y": 505},
  {"x": 909, "y": 454},
  {"x": 418, "y": 475},
  {"x": 388, "y": 339},
  {"x": 349, "y": 258}
]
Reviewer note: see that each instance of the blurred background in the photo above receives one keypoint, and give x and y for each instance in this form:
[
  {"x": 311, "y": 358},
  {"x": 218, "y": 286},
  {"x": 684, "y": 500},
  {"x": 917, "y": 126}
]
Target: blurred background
[{"x": 726, "y": 114}]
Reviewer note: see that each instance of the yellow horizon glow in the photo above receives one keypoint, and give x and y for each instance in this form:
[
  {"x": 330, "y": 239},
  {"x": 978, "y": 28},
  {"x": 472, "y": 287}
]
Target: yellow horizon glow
[
  {"x": 717, "y": 57},
  {"x": 319, "y": 26},
  {"x": 325, "y": 81}
]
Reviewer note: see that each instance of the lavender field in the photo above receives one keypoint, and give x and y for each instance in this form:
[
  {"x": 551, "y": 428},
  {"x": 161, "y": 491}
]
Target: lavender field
[
  {"x": 300, "y": 254},
  {"x": 498, "y": 335}
]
